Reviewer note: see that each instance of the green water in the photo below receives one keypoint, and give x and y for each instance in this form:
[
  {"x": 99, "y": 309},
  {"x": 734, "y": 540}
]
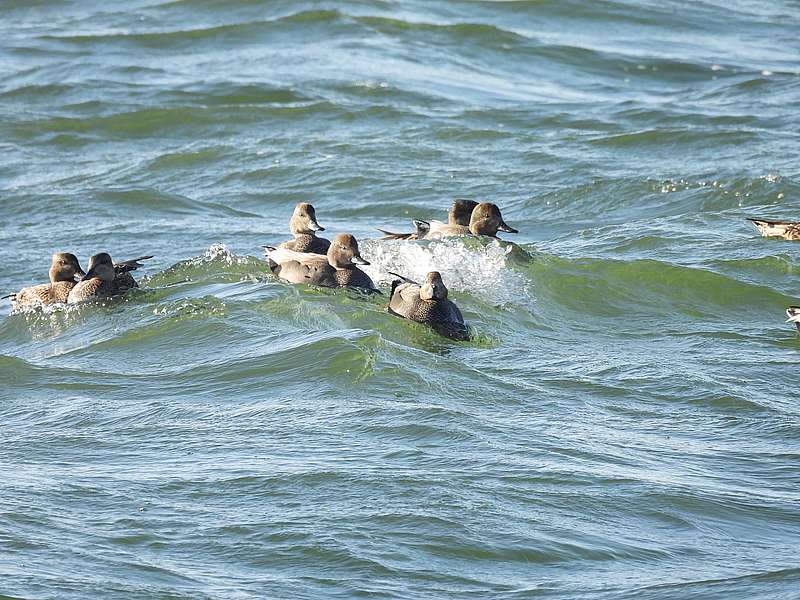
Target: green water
[{"x": 625, "y": 423}]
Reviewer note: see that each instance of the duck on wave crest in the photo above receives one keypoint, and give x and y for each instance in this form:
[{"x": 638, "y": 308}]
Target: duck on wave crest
[
  {"x": 484, "y": 219},
  {"x": 69, "y": 284}
]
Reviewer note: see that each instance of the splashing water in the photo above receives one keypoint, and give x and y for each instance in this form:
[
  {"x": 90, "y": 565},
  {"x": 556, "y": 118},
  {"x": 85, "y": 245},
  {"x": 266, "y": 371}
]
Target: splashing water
[{"x": 482, "y": 270}]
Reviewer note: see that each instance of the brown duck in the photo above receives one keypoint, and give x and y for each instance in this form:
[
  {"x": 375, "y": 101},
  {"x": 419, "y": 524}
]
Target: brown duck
[
  {"x": 460, "y": 213},
  {"x": 788, "y": 230},
  {"x": 63, "y": 269},
  {"x": 428, "y": 304},
  {"x": 304, "y": 226},
  {"x": 335, "y": 269},
  {"x": 486, "y": 219},
  {"x": 105, "y": 278}
]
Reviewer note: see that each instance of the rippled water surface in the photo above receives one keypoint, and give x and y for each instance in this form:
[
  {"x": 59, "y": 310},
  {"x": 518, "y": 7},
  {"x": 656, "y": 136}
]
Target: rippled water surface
[{"x": 625, "y": 423}]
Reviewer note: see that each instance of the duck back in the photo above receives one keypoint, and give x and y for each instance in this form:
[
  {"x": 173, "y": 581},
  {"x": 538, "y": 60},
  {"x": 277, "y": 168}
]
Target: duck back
[
  {"x": 45, "y": 293},
  {"x": 91, "y": 288},
  {"x": 307, "y": 243}
]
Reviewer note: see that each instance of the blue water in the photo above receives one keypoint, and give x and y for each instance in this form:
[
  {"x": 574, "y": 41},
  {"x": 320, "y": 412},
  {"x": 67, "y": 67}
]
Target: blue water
[{"x": 625, "y": 423}]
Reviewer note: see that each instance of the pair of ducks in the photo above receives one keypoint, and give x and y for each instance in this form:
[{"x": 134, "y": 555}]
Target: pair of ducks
[
  {"x": 787, "y": 230},
  {"x": 313, "y": 260},
  {"x": 70, "y": 284}
]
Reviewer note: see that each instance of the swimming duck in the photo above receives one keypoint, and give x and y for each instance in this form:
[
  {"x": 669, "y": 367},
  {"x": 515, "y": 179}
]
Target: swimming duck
[
  {"x": 788, "y": 230},
  {"x": 459, "y": 214},
  {"x": 336, "y": 269},
  {"x": 428, "y": 304},
  {"x": 485, "y": 220},
  {"x": 304, "y": 226},
  {"x": 793, "y": 312},
  {"x": 105, "y": 278},
  {"x": 63, "y": 269}
]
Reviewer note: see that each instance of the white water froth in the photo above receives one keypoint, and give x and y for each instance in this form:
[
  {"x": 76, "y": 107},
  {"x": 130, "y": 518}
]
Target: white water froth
[
  {"x": 482, "y": 271},
  {"x": 218, "y": 251}
]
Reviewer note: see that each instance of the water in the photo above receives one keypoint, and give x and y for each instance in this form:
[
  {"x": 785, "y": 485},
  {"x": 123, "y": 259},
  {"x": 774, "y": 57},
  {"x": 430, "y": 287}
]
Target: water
[{"x": 625, "y": 424}]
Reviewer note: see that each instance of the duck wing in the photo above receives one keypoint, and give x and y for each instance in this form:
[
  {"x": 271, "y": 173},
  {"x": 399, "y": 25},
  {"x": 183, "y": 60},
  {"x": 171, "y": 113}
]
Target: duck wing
[{"x": 129, "y": 265}]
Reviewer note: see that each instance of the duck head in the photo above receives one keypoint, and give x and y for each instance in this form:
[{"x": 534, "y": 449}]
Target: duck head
[
  {"x": 102, "y": 267},
  {"x": 343, "y": 253},
  {"x": 461, "y": 211},
  {"x": 65, "y": 267},
  {"x": 487, "y": 220},
  {"x": 304, "y": 220},
  {"x": 433, "y": 288}
]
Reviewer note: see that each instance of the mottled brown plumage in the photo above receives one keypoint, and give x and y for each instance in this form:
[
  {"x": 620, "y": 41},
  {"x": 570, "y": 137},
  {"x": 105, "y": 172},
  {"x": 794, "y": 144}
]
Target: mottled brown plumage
[
  {"x": 788, "y": 230},
  {"x": 336, "y": 269},
  {"x": 428, "y": 304},
  {"x": 105, "y": 278},
  {"x": 304, "y": 226},
  {"x": 63, "y": 269}
]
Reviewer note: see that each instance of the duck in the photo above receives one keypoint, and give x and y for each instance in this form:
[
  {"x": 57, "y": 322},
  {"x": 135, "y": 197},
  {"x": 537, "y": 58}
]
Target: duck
[
  {"x": 337, "y": 268},
  {"x": 485, "y": 219},
  {"x": 64, "y": 267},
  {"x": 304, "y": 226},
  {"x": 788, "y": 230},
  {"x": 427, "y": 303},
  {"x": 793, "y": 312},
  {"x": 105, "y": 278},
  {"x": 459, "y": 214}
]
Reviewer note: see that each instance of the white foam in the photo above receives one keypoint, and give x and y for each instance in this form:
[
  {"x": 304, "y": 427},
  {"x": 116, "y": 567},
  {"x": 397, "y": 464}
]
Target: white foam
[
  {"x": 480, "y": 271},
  {"x": 218, "y": 251}
]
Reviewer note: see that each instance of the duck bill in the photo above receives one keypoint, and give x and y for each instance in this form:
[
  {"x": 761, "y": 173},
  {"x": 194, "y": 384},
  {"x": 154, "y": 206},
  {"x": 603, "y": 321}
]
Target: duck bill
[
  {"x": 80, "y": 273},
  {"x": 504, "y": 227},
  {"x": 90, "y": 274},
  {"x": 357, "y": 260},
  {"x": 314, "y": 226}
]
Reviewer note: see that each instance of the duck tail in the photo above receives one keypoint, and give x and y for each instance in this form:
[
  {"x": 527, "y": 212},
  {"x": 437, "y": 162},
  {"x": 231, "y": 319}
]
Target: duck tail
[
  {"x": 423, "y": 228},
  {"x": 390, "y": 235},
  {"x": 793, "y": 312},
  {"x": 130, "y": 265},
  {"x": 784, "y": 229},
  {"x": 273, "y": 266}
]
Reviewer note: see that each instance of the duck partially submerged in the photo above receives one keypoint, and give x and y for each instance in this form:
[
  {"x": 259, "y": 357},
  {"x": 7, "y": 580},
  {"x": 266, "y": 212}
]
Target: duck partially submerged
[
  {"x": 788, "y": 230},
  {"x": 337, "y": 268},
  {"x": 64, "y": 268},
  {"x": 485, "y": 219},
  {"x": 105, "y": 278},
  {"x": 459, "y": 214},
  {"x": 304, "y": 227},
  {"x": 427, "y": 303}
]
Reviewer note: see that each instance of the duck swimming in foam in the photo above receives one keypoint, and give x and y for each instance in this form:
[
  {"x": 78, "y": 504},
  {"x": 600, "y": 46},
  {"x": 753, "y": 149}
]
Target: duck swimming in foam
[
  {"x": 427, "y": 303},
  {"x": 459, "y": 214},
  {"x": 788, "y": 230},
  {"x": 337, "y": 268},
  {"x": 63, "y": 270},
  {"x": 485, "y": 219},
  {"x": 304, "y": 227},
  {"x": 105, "y": 278}
]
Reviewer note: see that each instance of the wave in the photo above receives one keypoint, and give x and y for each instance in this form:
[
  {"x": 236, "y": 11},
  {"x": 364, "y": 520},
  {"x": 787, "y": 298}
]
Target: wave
[{"x": 473, "y": 266}]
